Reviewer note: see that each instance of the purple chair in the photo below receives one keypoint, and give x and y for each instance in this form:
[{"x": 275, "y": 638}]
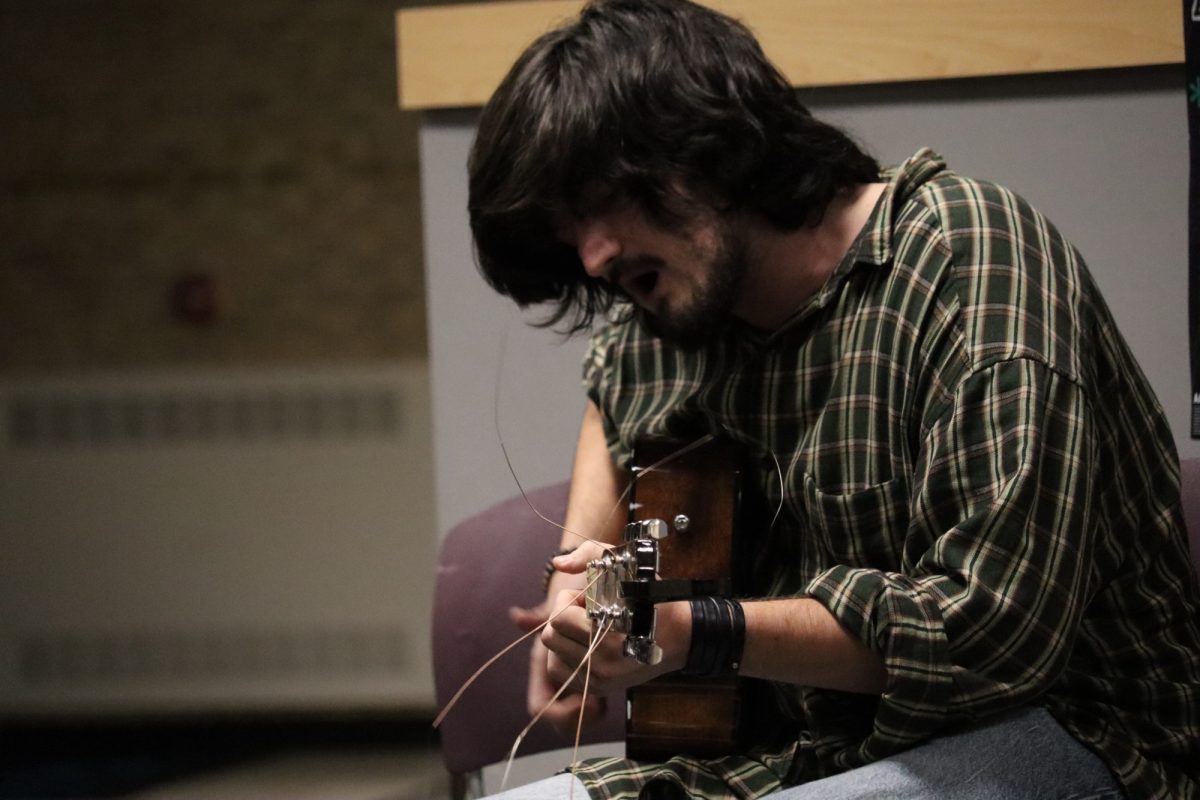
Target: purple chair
[
  {"x": 1189, "y": 490},
  {"x": 489, "y": 563},
  {"x": 495, "y": 560}
]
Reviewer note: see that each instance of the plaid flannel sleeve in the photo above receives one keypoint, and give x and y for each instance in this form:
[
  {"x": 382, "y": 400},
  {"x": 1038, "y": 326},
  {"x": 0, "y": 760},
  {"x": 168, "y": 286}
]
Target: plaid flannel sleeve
[{"x": 982, "y": 616}]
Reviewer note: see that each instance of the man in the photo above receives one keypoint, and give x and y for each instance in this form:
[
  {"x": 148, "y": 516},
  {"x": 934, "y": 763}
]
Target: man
[{"x": 978, "y": 584}]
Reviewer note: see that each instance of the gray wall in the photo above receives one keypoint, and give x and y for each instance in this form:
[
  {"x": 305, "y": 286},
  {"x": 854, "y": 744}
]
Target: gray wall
[{"x": 1104, "y": 154}]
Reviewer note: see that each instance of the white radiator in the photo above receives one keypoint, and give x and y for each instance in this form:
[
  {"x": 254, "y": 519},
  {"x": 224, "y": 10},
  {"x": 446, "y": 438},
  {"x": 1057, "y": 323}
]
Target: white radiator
[{"x": 216, "y": 541}]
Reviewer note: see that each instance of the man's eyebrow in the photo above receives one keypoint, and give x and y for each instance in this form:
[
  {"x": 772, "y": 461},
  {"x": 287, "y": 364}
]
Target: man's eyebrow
[
  {"x": 594, "y": 198},
  {"x": 562, "y": 237}
]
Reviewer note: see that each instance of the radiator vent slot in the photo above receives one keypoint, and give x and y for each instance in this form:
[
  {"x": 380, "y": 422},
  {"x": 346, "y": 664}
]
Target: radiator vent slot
[
  {"x": 47, "y": 420},
  {"x": 79, "y": 660}
]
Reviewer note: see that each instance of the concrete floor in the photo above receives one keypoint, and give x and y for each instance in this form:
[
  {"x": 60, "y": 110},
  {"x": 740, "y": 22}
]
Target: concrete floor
[
  {"x": 386, "y": 758},
  {"x": 385, "y": 774}
]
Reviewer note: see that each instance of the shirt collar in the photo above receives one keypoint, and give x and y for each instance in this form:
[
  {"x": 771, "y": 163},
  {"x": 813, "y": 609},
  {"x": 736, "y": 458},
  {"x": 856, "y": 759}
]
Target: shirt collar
[{"x": 873, "y": 245}]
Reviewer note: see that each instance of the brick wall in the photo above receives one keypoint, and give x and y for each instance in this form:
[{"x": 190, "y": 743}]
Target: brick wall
[{"x": 248, "y": 153}]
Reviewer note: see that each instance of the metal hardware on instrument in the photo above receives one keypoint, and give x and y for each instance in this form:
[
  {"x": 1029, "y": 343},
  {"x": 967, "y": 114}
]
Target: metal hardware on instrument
[
  {"x": 654, "y": 529},
  {"x": 636, "y": 561},
  {"x": 696, "y": 489},
  {"x": 625, "y": 586}
]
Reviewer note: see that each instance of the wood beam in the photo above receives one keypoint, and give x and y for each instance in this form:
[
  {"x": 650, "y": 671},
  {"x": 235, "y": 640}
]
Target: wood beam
[{"x": 454, "y": 56}]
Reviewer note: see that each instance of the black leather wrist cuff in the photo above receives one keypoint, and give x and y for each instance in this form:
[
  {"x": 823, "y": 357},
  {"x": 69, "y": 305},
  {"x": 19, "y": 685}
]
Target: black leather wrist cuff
[{"x": 718, "y": 637}]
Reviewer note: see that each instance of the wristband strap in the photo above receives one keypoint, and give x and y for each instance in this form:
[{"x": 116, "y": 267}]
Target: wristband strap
[
  {"x": 718, "y": 637},
  {"x": 549, "y": 569}
]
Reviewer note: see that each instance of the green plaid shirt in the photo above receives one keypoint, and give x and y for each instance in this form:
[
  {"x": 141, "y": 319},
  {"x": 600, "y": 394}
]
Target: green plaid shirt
[{"x": 977, "y": 481}]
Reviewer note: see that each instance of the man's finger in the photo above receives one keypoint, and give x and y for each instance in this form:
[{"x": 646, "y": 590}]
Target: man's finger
[
  {"x": 577, "y": 560},
  {"x": 528, "y": 618}
]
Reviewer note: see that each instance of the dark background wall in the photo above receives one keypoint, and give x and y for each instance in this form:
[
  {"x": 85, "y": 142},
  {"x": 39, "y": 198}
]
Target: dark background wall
[{"x": 246, "y": 153}]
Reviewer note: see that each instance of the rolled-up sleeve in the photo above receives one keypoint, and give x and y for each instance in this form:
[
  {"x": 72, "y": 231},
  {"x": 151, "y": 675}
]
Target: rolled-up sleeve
[{"x": 995, "y": 563}]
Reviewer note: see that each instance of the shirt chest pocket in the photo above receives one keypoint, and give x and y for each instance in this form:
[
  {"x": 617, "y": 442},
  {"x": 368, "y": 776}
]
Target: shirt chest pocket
[{"x": 862, "y": 528}]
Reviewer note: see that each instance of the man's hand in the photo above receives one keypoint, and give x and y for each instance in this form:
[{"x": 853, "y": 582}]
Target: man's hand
[
  {"x": 568, "y": 639},
  {"x": 564, "y": 642},
  {"x": 595, "y": 495},
  {"x": 563, "y": 713}
]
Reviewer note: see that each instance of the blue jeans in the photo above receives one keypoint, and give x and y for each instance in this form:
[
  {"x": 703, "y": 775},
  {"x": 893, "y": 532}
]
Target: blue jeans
[{"x": 1025, "y": 755}]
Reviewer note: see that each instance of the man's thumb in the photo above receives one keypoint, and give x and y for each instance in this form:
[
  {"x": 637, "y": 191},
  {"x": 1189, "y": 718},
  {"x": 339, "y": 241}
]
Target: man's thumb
[{"x": 528, "y": 618}]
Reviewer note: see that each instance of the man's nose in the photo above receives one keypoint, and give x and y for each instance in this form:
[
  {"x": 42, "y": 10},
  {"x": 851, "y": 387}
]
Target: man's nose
[{"x": 597, "y": 246}]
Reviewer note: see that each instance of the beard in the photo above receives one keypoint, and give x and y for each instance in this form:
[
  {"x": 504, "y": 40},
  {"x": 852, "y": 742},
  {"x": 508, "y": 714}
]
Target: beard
[{"x": 701, "y": 318}]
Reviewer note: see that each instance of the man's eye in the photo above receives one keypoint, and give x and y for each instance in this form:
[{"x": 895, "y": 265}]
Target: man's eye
[{"x": 596, "y": 200}]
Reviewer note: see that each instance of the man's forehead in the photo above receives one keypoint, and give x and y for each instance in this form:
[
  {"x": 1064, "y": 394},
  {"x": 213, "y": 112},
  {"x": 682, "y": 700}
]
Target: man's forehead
[{"x": 595, "y": 195}]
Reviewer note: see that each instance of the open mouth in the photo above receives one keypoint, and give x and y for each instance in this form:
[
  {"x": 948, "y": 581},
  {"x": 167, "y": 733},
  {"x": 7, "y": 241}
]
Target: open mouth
[
  {"x": 643, "y": 285},
  {"x": 638, "y": 278}
]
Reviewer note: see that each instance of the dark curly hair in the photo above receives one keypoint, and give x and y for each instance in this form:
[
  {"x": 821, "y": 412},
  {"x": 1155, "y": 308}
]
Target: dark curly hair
[{"x": 662, "y": 103}]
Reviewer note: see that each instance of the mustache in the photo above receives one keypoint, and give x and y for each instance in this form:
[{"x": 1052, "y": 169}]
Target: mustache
[{"x": 623, "y": 265}]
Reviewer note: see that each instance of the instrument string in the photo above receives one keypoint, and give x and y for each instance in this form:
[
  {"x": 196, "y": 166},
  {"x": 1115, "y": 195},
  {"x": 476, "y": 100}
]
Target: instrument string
[
  {"x": 585, "y": 662},
  {"x": 508, "y": 460},
  {"x": 587, "y": 677},
  {"x": 475, "y": 675},
  {"x": 603, "y": 631}
]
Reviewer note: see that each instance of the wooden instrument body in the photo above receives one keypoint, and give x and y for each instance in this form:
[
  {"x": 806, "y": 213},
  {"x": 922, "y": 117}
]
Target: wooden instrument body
[{"x": 675, "y": 714}]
